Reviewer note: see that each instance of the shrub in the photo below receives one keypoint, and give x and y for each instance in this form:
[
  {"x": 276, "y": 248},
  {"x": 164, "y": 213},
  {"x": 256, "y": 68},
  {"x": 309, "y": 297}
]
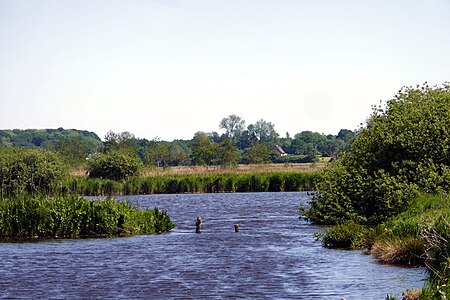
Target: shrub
[
  {"x": 115, "y": 165},
  {"x": 403, "y": 149},
  {"x": 30, "y": 171},
  {"x": 345, "y": 235}
]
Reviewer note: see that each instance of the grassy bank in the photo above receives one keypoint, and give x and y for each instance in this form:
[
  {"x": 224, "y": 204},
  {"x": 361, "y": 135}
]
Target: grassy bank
[
  {"x": 418, "y": 236},
  {"x": 195, "y": 183},
  {"x": 74, "y": 216}
]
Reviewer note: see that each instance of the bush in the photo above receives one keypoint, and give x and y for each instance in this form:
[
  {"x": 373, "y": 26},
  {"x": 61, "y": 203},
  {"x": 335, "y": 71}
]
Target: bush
[
  {"x": 115, "y": 165},
  {"x": 345, "y": 235},
  {"x": 30, "y": 171},
  {"x": 403, "y": 149}
]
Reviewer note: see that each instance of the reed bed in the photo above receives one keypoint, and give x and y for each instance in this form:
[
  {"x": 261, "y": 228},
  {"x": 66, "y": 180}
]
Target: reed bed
[
  {"x": 195, "y": 183},
  {"x": 75, "y": 216}
]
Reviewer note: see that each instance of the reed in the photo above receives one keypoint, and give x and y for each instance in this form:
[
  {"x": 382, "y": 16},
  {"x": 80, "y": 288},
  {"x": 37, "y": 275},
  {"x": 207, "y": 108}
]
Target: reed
[
  {"x": 74, "y": 216},
  {"x": 195, "y": 183}
]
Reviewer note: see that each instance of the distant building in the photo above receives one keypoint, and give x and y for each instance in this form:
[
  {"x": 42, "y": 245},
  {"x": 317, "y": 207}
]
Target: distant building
[{"x": 280, "y": 150}]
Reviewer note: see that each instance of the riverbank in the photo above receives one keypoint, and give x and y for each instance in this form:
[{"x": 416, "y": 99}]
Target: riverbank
[{"x": 418, "y": 236}]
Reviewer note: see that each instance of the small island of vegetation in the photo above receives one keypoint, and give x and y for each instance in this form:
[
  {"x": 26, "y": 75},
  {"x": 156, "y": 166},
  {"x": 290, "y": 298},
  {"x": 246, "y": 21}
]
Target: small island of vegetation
[{"x": 35, "y": 203}]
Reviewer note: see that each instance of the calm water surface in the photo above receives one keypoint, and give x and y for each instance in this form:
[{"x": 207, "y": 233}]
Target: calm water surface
[{"x": 274, "y": 256}]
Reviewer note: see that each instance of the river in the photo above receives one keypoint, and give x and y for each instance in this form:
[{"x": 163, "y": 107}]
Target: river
[{"x": 273, "y": 256}]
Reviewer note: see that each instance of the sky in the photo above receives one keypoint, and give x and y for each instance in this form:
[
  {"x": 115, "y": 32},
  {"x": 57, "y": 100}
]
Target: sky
[{"x": 170, "y": 68}]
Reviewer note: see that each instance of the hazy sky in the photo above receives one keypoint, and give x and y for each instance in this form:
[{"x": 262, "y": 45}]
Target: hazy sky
[{"x": 172, "y": 68}]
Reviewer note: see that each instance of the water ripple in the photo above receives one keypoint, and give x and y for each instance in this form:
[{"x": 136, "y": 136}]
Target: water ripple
[{"x": 273, "y": 256}]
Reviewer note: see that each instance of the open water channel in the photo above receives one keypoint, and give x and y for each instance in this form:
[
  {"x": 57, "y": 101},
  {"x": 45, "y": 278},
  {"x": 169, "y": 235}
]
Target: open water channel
[{"x": 273, "y": 256}]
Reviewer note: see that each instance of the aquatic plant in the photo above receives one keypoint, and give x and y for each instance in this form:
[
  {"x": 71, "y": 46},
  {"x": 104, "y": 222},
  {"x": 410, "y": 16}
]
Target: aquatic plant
[
  {"x": 75, "y": 216},
  {"x": 194, "y": 183}
]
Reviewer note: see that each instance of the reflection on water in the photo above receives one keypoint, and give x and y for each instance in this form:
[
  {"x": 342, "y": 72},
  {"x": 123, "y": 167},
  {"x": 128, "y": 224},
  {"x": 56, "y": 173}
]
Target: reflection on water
[{"x": 272, "y": 256}]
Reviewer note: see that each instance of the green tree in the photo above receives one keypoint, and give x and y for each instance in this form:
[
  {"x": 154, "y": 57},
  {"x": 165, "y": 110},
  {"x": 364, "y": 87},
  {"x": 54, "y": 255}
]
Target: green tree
[
  {"x": 74, "y": 151},
  {"x": 227, "y": 153},
  {"x": 265, "y": 131},
  {"x": 30, "y": 171},
  {"x": 179, "y": 154},
  {"x": 258, "y": 154},
  {"x": 233, "y": 125},
  {"x": 124, "y": 141},
  {"x": 203, "y": 149},
  {"x": 404, "y": 148},
  {"x": 158, "y": 153},
  {"x": 114, "y": 164}
]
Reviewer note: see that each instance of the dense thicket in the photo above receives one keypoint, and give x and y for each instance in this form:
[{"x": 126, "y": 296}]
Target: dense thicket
[
  {"x": 403, "y": 149},
  {"x": 30, "y": 171}
]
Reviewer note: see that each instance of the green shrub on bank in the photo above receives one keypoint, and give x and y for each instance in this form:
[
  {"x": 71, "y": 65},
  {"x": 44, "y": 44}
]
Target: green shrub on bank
[
  {"x": 402, "y": 150},
  {"x": 30, "y": 171},
  {"x": 74, "y": 216},
  {"x": 194, "y": 183},
  {"x": 345, "y": 235}
]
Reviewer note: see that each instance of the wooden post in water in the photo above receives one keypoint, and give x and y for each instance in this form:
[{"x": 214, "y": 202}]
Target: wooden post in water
[
  {"x": 236, "y": 227},
  {"x": 198, "y": 225}
]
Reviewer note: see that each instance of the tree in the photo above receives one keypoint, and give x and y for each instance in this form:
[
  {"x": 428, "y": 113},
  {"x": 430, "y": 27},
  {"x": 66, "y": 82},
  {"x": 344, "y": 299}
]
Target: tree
[
  {"x": 179, "y": 155},
  {"x": 346, "y": 135},
  {"x": 203, "y": 149},
  {"x": 258, "y": 154},
  {"x": 227, "y": 153},
  {"x": 124, "y": 141},
  {"x": 114, "y": 164},
  {"x": 30, "y": 171},
  {"x": 404, "y": 148},
  {"x": 73, "y": 151},
  {"x": 158, "y": 153},
  {"x": 265, "y": 131},
  {"x": 233, "y": 125}
]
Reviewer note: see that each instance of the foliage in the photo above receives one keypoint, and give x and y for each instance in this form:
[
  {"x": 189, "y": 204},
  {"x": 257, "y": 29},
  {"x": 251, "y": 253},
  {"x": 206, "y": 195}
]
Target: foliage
[
  {"x": 30, "y": 171},
  {"x": 49, "y": 138},
  {"x": 116, "y": 165},
  {"x": 227, "y": 153},
  {"x": 195, "y": 183},
  {"x": 345, "y": 235},
  {"x": 158, "y": 154},
  {"x": 73, "y": 151},
  {"x": 420, "y": 235},
  {"x": 73, "y": 216},
  {"x": 257, "y": 154},
  {"x": 233, "y": 125},
  {"x": 403, "y": 149},
  {"x": 124, "y": 141},
  {"x": 203, "y": 149}
]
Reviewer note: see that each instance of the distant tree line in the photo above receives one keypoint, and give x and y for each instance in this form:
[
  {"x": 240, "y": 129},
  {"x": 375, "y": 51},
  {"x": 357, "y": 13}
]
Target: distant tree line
[{"x": 252, "y": 144}]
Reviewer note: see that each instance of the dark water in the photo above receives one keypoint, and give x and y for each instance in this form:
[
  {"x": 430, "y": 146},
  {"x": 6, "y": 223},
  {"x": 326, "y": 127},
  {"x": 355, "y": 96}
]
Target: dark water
[{"x": 274, "y": 256}]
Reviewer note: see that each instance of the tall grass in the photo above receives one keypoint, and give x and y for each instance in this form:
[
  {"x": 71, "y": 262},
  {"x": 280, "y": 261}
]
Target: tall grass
[
  {"x": 75, "y": 216},
  {"x": 194, "y": 183},
  {"x": 420, "y": 235}
]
